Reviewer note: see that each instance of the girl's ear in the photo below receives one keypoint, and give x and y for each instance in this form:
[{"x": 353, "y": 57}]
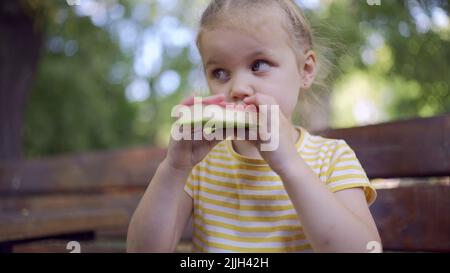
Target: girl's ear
[{"x": 309, "y": 69}]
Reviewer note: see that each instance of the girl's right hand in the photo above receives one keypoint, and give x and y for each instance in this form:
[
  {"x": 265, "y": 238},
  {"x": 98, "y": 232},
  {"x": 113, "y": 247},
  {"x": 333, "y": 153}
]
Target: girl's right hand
[{"x": 183, "y": 154}]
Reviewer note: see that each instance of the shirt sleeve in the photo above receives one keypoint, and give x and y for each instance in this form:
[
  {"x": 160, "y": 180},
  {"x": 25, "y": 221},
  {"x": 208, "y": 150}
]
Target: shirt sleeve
[
  {"x": 189, "y": 187},
  {"x": 346, "y": 172}
]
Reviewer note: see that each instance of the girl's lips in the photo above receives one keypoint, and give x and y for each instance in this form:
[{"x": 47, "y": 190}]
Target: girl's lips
[
  {"x": 220, "y": 101},
  {"x": 242, "y": 107}
]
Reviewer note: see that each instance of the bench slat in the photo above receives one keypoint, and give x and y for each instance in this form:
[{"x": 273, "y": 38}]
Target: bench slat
[
  {"x": 16, "y": 226},
  {"x": 412, "y": 148},
  {"x": 84, "y": 173}
]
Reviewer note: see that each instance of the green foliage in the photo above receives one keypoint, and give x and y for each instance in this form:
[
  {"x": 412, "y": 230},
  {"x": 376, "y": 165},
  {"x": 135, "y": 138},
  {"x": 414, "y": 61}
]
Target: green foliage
[
  {"x": 410, "y": 64},
  {"x": 73, "y": 106},
  {"x": 76, "y": 106}
]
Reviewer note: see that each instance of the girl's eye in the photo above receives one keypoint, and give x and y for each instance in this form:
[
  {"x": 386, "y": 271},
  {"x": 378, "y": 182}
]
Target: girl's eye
[
  {"x": 220, "y": 74},
  {"x": 260, "y": 66}
]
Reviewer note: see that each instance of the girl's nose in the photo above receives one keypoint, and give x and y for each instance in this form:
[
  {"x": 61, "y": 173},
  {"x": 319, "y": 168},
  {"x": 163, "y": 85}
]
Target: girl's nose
[{"x": 240, "y": 90}]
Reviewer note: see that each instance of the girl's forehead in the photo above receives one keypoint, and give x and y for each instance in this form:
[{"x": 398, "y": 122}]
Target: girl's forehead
[
  {"x": 259, "y": 20},
  {"x": 223, "y": 41},
  {"x": 261, "y": 26}
]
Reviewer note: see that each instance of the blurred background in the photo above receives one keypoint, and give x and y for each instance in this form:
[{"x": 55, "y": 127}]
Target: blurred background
[
  {"x": 97, "y": 75},
  {"x": 87, "y": 86}
]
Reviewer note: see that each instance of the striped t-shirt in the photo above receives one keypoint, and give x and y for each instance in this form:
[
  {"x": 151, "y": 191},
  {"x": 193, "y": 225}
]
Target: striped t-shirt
[{"x": 240, "y": 204}]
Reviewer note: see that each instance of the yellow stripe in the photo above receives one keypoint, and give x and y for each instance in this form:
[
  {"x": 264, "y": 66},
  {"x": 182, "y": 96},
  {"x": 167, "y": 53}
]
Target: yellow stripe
[
  {"x": 340, "y": 160},
  {"x": 350, "y": 167},
  {"x": 327, "y": 153},
  {"x": 242, "y": 196},
  {"x": 199, "y": 248},
  {"x": 345, "y": 176},
  {"x": 222, "y": 144},
  {"x": 247, "y": 228},
  {"x": 226, "y": 158},
  {"x": 235, "y": 185},
  {"x": 319, "y": 166},
  {"x": 247, "y": 218},
  {"x": 252, "y": 167},
  {"x": 219, "y": 151},
  {"x": 243, "y": 207},
  {"x": 369, "y": 190},
  {"x": 255, "y": 249},
  {"x": 272, "y": 239},
  {"x": 343, "y": 168},
  {"x": 349, "y": 186},
  {"x": 270, "y": 178},
  {"x": 189, "y": 185},
  {"x": 318, "y": 150},
  {"x": 317, "y": 140},
  {"x": 328, "y": 145},
  {"x": 313, "y": 159},
  {"x": 239, "y": 166}
]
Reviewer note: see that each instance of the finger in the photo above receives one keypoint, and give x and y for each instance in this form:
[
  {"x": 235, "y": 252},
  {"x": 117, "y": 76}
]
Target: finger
[
  {"x": 215, "y": 99},
  {"x": 188, "y": 101}
]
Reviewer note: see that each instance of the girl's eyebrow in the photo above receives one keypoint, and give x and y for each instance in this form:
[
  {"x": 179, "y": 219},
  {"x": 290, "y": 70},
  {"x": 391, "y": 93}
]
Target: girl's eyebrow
[{"x": 259, "y": 52}]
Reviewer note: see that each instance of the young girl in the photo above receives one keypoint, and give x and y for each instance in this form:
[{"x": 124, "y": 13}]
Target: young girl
[{"x": 309, "y": 194}]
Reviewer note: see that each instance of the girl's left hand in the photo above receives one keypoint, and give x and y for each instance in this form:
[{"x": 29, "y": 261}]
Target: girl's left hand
[{"x": 282, "y": 145}]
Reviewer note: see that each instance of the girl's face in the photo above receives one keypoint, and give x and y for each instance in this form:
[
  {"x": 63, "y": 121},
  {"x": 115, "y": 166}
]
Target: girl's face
[{"x": 240, "y": 64}]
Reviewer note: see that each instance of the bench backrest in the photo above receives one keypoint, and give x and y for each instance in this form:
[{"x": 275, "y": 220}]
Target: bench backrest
[{"x": 413, "y": 218}]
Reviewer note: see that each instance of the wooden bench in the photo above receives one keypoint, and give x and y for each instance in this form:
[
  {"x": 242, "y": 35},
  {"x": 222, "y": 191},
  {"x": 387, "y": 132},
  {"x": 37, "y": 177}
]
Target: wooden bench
[
  {"x": 75, "y": 197},
  {"x": 92, "y": 196},
  {"x": 409, "y": 217}
]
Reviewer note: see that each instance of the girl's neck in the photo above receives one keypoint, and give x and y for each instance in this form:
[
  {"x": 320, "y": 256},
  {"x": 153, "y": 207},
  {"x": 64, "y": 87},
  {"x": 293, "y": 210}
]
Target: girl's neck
[{"x": 247, "y": 149}]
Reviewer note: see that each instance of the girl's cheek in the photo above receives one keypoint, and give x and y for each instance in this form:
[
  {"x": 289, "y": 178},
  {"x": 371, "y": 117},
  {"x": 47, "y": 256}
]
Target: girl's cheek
[{"x": 216, "y": 91}]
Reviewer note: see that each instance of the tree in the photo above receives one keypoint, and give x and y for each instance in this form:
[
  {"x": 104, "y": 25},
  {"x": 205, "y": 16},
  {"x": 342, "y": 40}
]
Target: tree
[{"x": 19, "y": 54}]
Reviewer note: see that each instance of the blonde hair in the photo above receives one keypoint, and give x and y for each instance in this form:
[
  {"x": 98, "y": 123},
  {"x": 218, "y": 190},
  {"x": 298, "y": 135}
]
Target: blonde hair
[
  {"x": 218, "y": 12},
  {"x": 235, "y": 13}
]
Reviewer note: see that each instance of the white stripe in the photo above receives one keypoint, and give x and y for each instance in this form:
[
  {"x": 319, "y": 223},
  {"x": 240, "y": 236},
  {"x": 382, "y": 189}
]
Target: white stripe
[
  {"x": 316, "y": 145},
  {"x": 209, "y": 248},
  {"x": 348, "y": 182},
  {"x": 348, "y": 163},
  {"x": 189, "y": 191},
  {"x": 261, "y": 244},
  {"x": 237, "y": 181},
  {"x": 322, "y": 141},
  {"x": 345, "y": 172},
  {"x": 344, "y": 151},
  {"x": 246, "y": 202},
  {"x": 278, "y": 233},
  {"x": 232, "y": 162},
  {"x": 319, "y": 155},
  {"x": 319, "y": 148},
  {"x": 219, "y": 250},
  {"x": 243, "y": 191},
  {"x": 253, "y": 213},
  {"x": 240, "y": 171},
  {"x": 272, "y": 224},
  {"x": 214, "y": 153}
]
